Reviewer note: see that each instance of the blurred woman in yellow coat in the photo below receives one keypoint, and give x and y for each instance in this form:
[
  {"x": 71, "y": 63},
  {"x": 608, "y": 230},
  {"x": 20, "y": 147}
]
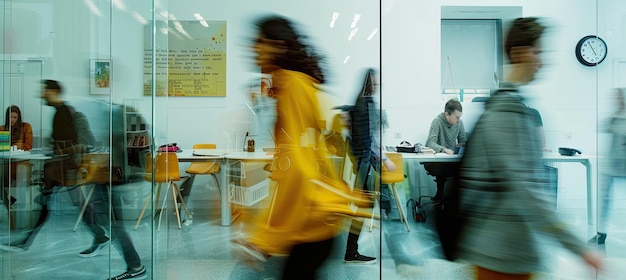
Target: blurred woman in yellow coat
[{"x": 302, "y": 220}]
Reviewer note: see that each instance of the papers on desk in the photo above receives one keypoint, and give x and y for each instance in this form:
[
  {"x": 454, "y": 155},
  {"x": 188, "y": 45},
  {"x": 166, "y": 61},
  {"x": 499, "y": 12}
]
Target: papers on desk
[
  {"x": 445, "y": 155},
  {"x": 14, "y": 153},
  {"x": 209, "y": 152}
]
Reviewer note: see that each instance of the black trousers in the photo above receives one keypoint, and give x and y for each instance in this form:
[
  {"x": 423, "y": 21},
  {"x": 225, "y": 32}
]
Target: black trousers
[
  {"x": 98, "y": 218},
  {"x": 441, "y": 171},
  {"x": 306, "y": 259}
]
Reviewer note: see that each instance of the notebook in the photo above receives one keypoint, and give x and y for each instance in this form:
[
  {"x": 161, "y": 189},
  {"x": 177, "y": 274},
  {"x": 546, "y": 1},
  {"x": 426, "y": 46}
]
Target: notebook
[{"x": 209, "y": 152}]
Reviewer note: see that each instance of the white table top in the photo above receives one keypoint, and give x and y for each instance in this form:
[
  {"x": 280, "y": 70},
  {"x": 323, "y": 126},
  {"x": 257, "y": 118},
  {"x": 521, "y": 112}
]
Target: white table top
[
  {"x": 215, "y": 154},
  {"x": 23, "y": 155},
  {"x": 442, "y": 157}
]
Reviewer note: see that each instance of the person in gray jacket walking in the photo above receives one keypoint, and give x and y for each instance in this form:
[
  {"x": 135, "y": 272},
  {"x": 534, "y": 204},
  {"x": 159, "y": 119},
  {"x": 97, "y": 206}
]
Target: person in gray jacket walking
[{"x": 501, "y": 197}]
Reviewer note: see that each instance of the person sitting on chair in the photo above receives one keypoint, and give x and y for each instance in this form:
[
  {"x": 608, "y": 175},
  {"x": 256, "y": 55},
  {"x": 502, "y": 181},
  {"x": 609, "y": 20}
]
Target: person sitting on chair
[{"x": 446, "y": 133}]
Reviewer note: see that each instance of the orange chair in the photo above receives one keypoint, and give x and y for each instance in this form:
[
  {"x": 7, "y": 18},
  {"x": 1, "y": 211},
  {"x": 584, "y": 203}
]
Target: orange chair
[
  {"x": 205, "y": 168},
  {"x": 392, "y": 178},
  {"x": 165, "y": 171}
]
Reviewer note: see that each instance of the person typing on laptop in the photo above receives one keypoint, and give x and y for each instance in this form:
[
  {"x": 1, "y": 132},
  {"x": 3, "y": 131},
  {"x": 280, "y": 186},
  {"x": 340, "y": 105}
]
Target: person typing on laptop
[{"x": 446, "y": 135}]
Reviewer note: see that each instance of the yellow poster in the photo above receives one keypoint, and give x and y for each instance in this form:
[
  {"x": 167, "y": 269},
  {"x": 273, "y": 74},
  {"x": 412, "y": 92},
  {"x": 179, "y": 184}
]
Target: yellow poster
[{"x": 193, "y": 63}]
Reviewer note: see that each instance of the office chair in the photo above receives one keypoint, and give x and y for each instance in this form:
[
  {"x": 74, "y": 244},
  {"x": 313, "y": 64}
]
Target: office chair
[
  {"x": 166, "y": 170},
  {"x": 205, "y": 168},
  {"x": 480, "y": 99},
  {"x": 393, "y": 178}
]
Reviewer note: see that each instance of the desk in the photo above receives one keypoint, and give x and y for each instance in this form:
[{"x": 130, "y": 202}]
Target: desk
[
  {"x": 223, "y": 156},
  {"x": 585, "y": 160},
  {"x": 23, "y": 213}
]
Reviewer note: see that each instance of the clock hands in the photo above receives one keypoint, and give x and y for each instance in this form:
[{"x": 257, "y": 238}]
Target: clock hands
[{"x": 594, "y": 51}]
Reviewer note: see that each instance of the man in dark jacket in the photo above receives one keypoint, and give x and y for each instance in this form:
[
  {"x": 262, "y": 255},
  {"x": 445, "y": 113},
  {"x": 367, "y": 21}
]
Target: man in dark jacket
[{"x": 72, "y": 136}]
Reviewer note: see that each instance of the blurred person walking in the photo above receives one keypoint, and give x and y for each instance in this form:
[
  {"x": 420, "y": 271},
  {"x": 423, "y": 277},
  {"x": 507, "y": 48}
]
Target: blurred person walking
[
  {"x": 72, "y": 135},
  {"x": 501, "y": 198},
  {"x": 612, "y": 166},
  {"x": 299, "y": 223},
  {"x": 367, "y": 156}
]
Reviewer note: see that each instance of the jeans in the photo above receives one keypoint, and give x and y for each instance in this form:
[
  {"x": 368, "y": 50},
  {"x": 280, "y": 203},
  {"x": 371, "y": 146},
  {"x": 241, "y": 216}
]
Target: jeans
[{"x": 98, "y": 218}]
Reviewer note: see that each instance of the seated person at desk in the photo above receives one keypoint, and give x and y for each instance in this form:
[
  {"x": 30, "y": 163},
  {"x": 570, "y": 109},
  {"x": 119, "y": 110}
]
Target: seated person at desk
[
  {"x": 21, "y": 132},
  {"x": 446, "y": 133},
  {"x": 21, "y": 137}
]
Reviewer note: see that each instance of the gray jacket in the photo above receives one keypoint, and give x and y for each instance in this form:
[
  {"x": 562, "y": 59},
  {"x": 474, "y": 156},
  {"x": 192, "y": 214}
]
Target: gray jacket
[{"x": 501, "y": 195}]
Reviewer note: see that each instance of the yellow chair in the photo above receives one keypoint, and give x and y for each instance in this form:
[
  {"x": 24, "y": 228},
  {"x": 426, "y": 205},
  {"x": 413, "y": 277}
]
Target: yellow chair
[
  {"x": 165, "y": 171},
  {"x": 205, "y": 168},
  {"x": 93, "y": 170},
  {"x": 393, "y": 178}
]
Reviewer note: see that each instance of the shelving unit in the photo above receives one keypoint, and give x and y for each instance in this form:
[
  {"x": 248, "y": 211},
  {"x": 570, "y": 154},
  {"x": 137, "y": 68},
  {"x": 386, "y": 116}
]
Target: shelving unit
[{"x": 137, "y": 135}]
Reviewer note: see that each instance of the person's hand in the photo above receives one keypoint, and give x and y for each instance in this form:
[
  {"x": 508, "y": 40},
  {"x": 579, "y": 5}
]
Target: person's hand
[
  {"x": 448, "y": 151},
  {"x": 594, "y": 260},
  {"x": 390, "y": 165}
]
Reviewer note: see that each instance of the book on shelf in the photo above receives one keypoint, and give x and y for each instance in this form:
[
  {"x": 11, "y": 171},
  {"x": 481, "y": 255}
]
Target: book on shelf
[
  {"x": 142, "y": 140},
  {"x": 136, "y": 141}
]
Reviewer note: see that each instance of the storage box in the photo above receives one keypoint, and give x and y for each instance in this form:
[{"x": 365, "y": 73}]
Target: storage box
[
  {"x": 248, "y": 196},
  {"x": 246, "y": 174},
  {"x": 248, "y": 182}
]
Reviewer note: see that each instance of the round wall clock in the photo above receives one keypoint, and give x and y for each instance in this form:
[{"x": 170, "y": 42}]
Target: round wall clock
[{"x": 591, "y": 50}]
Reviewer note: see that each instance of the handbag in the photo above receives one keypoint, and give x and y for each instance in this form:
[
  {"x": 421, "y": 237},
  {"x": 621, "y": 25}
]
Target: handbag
[
  {"x": 170, "y": 148},
  {"x": 406, "y": 147}
]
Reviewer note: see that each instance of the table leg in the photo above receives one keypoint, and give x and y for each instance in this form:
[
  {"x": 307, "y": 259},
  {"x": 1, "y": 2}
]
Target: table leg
[
  {"x": 226, "y": 209},
  {"x": 590, "y": 219}
]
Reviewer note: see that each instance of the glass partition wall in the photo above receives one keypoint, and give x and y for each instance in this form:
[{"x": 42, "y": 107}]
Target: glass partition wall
[{"x": 144, "y": 74}]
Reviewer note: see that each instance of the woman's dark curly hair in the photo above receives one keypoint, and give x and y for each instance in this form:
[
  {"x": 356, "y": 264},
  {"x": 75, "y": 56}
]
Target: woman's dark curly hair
[{"x": 299, "y": 56}]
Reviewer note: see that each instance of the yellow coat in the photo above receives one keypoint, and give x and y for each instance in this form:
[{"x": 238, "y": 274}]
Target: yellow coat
[{"x": 295, "y": 215}]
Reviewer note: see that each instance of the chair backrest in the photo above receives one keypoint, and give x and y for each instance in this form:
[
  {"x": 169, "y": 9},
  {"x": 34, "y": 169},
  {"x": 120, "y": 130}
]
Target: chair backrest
[
  {"x": 337, "y": 125},
  {"x": 397, "y": 175},
  {"x": 165, "y": 167},
  {"x": 480, "y": 99},
  {"x": 204, "y": 146}
]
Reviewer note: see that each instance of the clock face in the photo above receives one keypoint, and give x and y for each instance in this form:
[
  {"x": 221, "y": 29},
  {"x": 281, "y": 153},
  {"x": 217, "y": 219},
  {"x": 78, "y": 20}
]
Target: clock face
[{"x": 591, "y": 50}]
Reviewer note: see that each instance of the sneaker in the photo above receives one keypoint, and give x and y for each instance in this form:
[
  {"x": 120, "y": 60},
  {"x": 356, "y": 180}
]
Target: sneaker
[
  {"x": 358, "y": 259},
  {"x": 129, "y": 274},
  {"x": 94, "y": 249},
  {"x": 597, "y": 240},
  {"x": 249, "y": 249}
]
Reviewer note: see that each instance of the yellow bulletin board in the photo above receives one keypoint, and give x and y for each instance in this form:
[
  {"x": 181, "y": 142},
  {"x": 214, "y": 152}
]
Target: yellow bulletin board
[{"x": 193, "y": 63}]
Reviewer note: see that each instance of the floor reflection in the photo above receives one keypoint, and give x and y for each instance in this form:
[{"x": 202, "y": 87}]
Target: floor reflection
[{"x": 202, "y": 250}]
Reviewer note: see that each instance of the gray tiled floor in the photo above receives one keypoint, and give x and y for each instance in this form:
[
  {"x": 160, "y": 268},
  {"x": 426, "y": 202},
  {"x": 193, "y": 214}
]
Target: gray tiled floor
[{"x": 202, "y": 250}]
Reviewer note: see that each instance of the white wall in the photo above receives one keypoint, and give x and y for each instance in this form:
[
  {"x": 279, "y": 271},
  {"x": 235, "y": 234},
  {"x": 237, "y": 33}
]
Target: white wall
[
  {"x": 571, "y": 97},
  {"x": 410, "y": 60},
  {"x": 201, "y": 119}
]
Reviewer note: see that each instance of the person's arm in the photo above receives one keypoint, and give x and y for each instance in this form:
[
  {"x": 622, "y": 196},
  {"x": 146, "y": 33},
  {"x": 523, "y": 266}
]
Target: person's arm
[
  {"x": 27, "y": 132},
  {"x": 83, "y": 131},
  {"x": 433, "y": 136},
  {"x": 462, "y": 138}
]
